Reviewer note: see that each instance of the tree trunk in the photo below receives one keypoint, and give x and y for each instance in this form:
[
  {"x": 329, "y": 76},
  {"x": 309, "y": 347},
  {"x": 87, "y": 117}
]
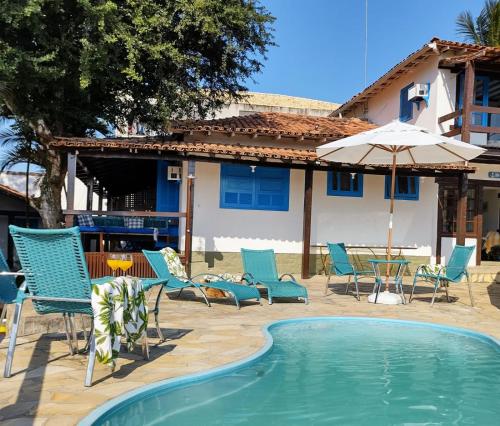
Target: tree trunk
[{"x": 48, "y": 203}]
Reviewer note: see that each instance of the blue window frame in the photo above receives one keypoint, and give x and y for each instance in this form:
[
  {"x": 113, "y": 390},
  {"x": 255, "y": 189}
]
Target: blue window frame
[
  {"x": 481, "y": 98},
  {"x": 407, "y": 188},
  {"x": 263, "y": 188},
  {"x": 344, "y": 184},
  {"x": 405, "y": 106}
]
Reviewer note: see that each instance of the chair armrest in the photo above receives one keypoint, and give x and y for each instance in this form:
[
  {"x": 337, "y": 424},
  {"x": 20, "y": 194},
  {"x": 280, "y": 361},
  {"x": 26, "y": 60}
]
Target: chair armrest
[
  {"x": 288, "y": 275},
  {"x": 11, "y": 274},
  {"x": 248, "y": 277}
]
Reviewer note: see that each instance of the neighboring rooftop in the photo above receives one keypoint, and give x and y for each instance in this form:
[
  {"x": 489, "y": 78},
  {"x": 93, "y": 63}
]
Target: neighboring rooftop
[
  {"x": 456, "y": 50},
  {"x": 272, "y": 99}
]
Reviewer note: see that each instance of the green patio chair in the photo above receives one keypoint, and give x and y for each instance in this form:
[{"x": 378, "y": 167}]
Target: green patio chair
[
  {"x": 177, "y": 280},
  {"x": 56, "y": 280},
  {"x": 342, "y": 266},
  {"x": 453, "y": 272},
  {"x": 260, "y": 268}
]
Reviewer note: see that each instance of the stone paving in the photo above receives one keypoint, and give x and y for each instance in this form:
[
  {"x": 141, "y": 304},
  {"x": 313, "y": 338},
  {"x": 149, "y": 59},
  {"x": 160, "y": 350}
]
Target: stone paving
[{"x": 47, "y": 385}]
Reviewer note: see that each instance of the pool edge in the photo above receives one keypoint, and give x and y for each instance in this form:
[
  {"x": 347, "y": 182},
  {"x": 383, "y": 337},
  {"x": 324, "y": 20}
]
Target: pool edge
[{"x": 174, "y": 382}]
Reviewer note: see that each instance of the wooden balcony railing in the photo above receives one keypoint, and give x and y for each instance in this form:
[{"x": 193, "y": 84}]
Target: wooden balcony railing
[{"x": 456, "y": 129}]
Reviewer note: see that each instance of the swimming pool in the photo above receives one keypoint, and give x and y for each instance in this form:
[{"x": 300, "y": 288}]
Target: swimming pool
[{"x": 358, "y": 371}]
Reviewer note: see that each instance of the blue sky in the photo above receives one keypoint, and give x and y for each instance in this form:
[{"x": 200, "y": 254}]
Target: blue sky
[{"x": 321, "y": 42}]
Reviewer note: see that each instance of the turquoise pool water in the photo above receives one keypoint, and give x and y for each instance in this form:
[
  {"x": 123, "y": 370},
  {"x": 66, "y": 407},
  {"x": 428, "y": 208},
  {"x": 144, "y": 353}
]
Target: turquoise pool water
[{"x": 337, "y": 371}]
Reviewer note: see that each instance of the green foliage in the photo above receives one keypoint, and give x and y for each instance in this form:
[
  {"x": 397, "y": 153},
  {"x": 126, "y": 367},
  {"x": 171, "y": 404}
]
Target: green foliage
[
  {"x": 68, "y": 66},
  {"x": 485, "y": 29}
]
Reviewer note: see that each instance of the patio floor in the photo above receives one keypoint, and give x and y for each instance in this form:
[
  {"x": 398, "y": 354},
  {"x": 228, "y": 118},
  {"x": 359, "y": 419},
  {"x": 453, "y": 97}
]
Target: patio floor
[{"x": 47, "y": 385}]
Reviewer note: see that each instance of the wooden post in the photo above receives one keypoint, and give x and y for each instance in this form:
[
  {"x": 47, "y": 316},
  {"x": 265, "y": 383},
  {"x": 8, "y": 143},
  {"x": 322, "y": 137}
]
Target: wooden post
[
  {"x": 439, "y": 228},
  {"x": 90, "y": 194},
  {"x": 70, "y": 195},
  {"x": 306, "y": 226},
  {"x": 468, "y": 100},
  {"x": 188, "y": 241},
  {"x": 101, "y": 196},
  {"x": 461, "y": 208}
]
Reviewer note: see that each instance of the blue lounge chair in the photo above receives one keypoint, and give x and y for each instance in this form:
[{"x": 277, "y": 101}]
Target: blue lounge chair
[
  {"x": 453, "y": 272},
  {"x": 239, "y": 292},
  {"x": 260, "y": 268},
  {"x": 341, "y": 266},
  {"x": 56, "y": 280}
]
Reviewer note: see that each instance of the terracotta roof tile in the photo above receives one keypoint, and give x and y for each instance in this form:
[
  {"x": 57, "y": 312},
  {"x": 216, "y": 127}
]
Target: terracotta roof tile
[
  {"x": 11, "y": 191},
  {"x": 274, "y": 123}
]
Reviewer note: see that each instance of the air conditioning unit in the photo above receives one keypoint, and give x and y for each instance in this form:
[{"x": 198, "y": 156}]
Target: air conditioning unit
[
  {"x": 418, "y": 92},
  {"x": 174, "y": 173}
]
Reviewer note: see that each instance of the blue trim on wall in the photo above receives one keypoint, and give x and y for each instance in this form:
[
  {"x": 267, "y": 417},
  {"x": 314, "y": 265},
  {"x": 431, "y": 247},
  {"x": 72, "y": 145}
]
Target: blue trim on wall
[
  {"x": 339, "y": 193},
  {"x": 405, "y": 106},
  {"x": 263, "y": 188},
  {"x": 398, "y": 195}
]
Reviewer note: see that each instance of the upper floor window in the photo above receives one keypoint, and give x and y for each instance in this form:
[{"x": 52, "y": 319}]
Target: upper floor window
[
  {"x": 254, "y": 188},
  {"x": 407, "y": 188},
  {"x": 405, "y": 106},
  {"x": 345, "y": 184}
]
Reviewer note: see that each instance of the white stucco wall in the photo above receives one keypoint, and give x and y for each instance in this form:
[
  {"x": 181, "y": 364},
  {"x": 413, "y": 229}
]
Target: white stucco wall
[{"x": 348, "y": 219}]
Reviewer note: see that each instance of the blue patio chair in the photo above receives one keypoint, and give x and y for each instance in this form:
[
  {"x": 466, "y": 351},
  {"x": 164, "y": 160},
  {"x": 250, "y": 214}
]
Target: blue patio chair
[
  {"x": 260, "y": 268},
  {"x": 56, "y": 280},
  {"x": 453, "y": 272},
  {"x": 157, "y": 261},
  {"x": 342, "y": 266},
  {"x": 8, "y": 288}
]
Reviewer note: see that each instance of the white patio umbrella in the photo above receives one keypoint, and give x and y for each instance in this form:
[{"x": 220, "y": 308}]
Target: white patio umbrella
[{"x": 396, "y": 144}]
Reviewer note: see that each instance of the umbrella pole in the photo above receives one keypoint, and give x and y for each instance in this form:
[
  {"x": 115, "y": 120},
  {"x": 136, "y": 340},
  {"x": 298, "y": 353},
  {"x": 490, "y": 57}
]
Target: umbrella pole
[{"x": 391, "y": 212}]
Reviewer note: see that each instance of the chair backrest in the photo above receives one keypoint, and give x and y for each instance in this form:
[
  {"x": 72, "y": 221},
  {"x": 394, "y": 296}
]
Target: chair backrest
[
  {"x": 157, "y": 262},
  {"x": 340, "y": 259},
  {"x": 459, "y": 259},
  {"x": 261, "y": 264},
  {"x": 53, "y": 263},
  {"x": 8, "y": 288}
]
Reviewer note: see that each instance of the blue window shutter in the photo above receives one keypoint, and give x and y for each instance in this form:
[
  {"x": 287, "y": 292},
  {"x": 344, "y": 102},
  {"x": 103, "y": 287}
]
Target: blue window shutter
[
  {"x": 405, "y": 106},
  {"x": 265, "y": 188},
  {"x": 407, "y": 188},
  {"x": 355, "y": 187}
]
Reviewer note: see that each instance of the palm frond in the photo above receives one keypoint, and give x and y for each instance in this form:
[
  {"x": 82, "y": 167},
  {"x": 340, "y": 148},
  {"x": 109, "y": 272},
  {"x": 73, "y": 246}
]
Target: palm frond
[{"x": 466, "y": 27}]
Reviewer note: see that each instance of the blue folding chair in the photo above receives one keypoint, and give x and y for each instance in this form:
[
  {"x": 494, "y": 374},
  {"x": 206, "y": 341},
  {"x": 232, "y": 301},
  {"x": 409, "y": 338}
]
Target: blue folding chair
[
  {"x": 342, "y": 266},
  {"x": 453, "y": 272}
]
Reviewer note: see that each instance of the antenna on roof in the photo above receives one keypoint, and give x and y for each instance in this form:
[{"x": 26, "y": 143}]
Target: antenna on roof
[{"x": 366, "y": 41}]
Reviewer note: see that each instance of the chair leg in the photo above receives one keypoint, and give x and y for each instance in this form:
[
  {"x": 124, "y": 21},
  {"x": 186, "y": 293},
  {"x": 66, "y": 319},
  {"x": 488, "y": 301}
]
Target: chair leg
[
  {"x": 357, "y": 288},
  {"x": 445, "y": 285},
  {"x": 178, "y": 294},
  {"x": 327, "y": 283},
  {"x": 434, "y": 294},
  {"x": 71, "y": 319},
  {"x": 379, "y": 285},
  {"x": 84, "y": 328},
  {"x": 157, "y": 314},
  {"x": 204, "y": 296},
  {"x": 68, "y": 336},
  {"x": 470, "y": 291},
  {"x": 91, "y": 361},
  {"x": 348, "y": 284},
  {"x": 235, "y": 300},
  {"x": 145, "y": 346},
  {"x": 12, "y": 341},
  {"x": 413, "y": 288}
]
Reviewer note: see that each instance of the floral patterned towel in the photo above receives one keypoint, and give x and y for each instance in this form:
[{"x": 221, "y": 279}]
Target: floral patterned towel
[
  {"x": 120, "y": 310},
  {"x": 174, "y": 263},
  {"x": 433, "y": 269}
]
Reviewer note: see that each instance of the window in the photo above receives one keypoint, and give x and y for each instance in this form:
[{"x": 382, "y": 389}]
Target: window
[
  {"x": 448, "y": 197},
  {"x": 345, "y": 184},
  {"x": 405, "y": 106},
  {"x": 406, "y": 188},
  {"x": 263, "y": 188}
]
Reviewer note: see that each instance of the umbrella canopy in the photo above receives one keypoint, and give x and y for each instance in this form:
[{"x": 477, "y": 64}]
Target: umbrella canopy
[
  {"x": 393, "y": 144},
  {"x": 411, "y": 145}
]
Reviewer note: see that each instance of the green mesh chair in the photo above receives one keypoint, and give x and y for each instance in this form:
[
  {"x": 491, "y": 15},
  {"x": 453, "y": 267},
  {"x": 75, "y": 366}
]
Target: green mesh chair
[
  {"x": 56, "y": 280},
  {"x": 342, "y": 266},
  {"x": 453, "y": 272},
  {"x": 8, "y": 288},
  {"x": 239, "y": 292},
  {"x": 260, "y": 268}
]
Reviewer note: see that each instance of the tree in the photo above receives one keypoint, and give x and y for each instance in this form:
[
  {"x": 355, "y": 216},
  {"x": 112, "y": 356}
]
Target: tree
[
  {"x": 70, "y": 67},
  {"x": 485, "y": 29}
]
